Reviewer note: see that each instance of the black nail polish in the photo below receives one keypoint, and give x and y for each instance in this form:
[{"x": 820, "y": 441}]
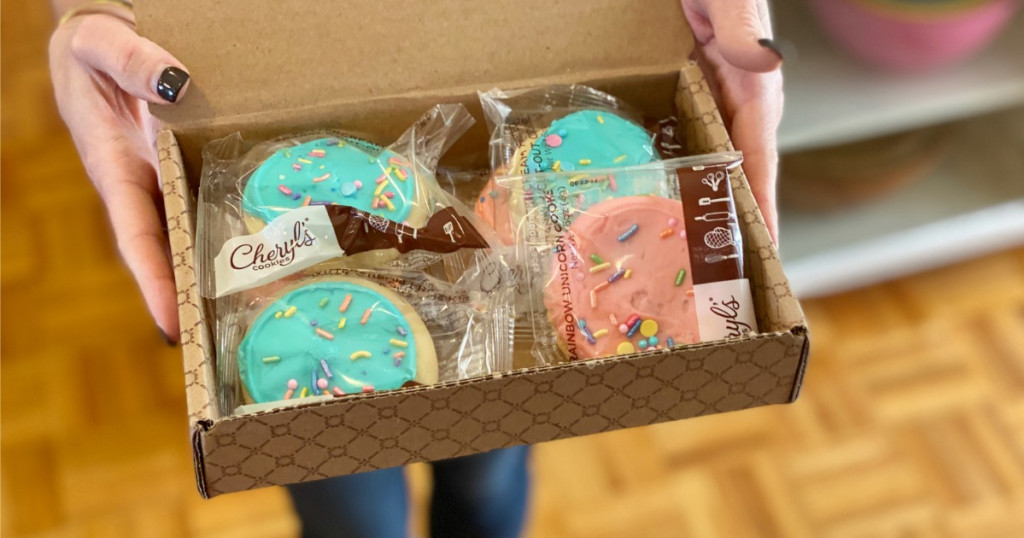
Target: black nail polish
[
  {"x": 172, "y": 80},
  {"x": 167, "y": 339},
  {"x": 770, "y": 45}
]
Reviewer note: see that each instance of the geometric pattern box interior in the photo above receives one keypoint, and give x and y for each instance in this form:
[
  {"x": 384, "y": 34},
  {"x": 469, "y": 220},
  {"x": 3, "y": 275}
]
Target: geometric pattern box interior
[{"x": 372, "y": 431}]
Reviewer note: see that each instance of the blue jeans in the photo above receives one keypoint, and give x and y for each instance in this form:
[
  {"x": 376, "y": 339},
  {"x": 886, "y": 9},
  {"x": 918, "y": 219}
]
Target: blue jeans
[{"x": 479, "y": 495}]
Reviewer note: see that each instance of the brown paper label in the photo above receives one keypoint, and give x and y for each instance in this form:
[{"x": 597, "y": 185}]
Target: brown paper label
[
  {"x": 666, "y": 137},
  {"x": 712, "y": 228},
  {"x": 446, "y": 231},
  {"x": 722, "y": 298}
]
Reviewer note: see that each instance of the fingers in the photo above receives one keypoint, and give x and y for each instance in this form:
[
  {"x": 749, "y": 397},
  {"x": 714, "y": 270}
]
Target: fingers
[
  {"x": 751, "y": 85},
  {"x": 138, "y": 228},
  {"x": 140, "y": 238},
  {"x": 755, "y": 102},
  {"x": 760, "y": 165},
  {"x": 139, "y": 66},
  {"x": 743, "y": 32}
]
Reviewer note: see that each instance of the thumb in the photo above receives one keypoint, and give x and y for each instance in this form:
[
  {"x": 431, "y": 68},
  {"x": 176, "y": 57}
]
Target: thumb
[
  {"x": 744, "y": 32},
  {"x": 138, "y": 66}
]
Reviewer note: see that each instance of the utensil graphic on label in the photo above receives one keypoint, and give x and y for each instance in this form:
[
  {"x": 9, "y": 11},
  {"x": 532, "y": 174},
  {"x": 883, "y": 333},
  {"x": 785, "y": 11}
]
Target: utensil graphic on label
[
  {"x": 708, "y": 201},
  {"x": 715, "y": 216},
  {"x": 402, "y": 230},
  {"x": 715, "y": 258},
  {"x": 712, "y": 180},
  {"x": 719, "y": 238},
  {"x": 378, "y": 223},
  {"x": 449, "y": 227}
]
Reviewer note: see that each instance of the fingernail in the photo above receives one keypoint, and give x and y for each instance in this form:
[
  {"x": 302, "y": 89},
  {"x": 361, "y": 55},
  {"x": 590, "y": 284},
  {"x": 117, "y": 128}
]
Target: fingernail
[
  {"x": 167, "y": 339},
  {"x": 770, "y": 45},
  {"x": 172, "y": 80}
]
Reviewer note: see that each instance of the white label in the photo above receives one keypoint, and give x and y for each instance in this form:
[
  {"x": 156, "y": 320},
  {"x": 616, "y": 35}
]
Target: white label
[
  {"x": 724, "y": 309},
  {"x": 292, "y": 242}
]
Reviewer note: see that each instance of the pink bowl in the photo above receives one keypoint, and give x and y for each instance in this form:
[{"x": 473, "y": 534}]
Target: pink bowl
[{"x": 899, "y": 36}]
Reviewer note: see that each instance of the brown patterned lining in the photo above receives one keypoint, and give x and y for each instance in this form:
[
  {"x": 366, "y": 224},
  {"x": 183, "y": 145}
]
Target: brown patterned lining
[
  {"x": 195, "y": 334},
  {"x": 425, "y": 424}
]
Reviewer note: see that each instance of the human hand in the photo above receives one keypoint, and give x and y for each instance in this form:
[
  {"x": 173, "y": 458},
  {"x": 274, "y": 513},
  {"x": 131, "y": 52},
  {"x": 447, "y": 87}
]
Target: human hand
[
  {"x": 735, "y": 36},
  {"x": 103, "y": 74}
]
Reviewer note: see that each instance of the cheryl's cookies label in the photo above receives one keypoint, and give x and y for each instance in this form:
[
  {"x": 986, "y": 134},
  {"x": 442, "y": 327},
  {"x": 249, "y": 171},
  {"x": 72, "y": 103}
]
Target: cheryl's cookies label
[
  {"x": 721, "y": 293},
  {"x": 294, "y": 241},
  {"x": 309, "y": 235},
  {"x": 725, "y": 309}
]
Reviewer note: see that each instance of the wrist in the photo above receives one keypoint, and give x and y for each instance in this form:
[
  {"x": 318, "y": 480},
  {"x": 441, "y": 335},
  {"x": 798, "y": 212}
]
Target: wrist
[{"x": 69, "y": 10}]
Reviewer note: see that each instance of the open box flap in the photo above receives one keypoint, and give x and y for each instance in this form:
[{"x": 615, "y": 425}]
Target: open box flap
[{"x": 250, "y": 56}]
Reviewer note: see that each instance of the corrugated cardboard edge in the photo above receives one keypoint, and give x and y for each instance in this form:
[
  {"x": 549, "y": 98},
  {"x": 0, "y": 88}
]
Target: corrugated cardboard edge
[
  {"x": 198, "y": 458},
  {"x": 805, "y": 353},
  {"x": 195, "y": 338}
]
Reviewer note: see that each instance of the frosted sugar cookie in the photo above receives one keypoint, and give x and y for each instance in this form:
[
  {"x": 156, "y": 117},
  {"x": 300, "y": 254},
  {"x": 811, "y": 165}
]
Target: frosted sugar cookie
[
  {"x": 620, "y": 281},
  {"x": 343, "y": 171},
  {"x": 334, "y": 336}
]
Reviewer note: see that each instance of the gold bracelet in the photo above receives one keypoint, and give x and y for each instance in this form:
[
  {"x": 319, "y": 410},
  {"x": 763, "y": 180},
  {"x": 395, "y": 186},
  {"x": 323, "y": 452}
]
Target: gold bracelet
[{"x": 87, "y": 7}]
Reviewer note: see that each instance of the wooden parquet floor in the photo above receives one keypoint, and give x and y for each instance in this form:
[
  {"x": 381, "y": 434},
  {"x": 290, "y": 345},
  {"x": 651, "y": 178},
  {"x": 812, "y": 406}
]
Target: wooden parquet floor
[{"x": 911, "y": 423}]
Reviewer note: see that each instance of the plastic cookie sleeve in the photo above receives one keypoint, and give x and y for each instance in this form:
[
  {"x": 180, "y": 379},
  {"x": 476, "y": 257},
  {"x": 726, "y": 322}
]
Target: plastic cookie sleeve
[
  {"x": 229, "y": 163},
  {"x": 700, "y": 184},
  {"x": 470, "y": 330},
  {"x": 516, "y": 116}
]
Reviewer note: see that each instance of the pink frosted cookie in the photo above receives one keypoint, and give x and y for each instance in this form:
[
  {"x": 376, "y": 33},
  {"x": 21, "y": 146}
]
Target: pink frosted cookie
[
  {"x": 493, "y": 208},
  {"x": 622, "y": 281}
]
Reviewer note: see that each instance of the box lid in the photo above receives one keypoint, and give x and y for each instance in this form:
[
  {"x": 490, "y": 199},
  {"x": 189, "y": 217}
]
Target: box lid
[{"x": 251, "y": 56}]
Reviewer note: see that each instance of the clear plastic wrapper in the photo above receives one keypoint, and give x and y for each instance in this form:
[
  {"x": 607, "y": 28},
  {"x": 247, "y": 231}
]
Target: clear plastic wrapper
[
  {"x": 552, "y": 128},
  {"x": 330, "y": 333},
  {"x": 569, "y": 128},
  {"x": 465, "y": 184},
  {"x": 616, "y": 275},
  {"x": 254, "y": 189},
  {"x": 337, "y": 266}
]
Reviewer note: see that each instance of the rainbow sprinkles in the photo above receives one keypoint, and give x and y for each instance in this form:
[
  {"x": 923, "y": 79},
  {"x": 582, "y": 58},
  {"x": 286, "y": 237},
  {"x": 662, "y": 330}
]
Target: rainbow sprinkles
[
  {"x": 293, "y": 353},
  {"x": 611, "y": 311},
  {"x": 331, "y": 171}
]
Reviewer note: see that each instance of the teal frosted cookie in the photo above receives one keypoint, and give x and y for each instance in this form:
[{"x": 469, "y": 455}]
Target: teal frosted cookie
[
  {"x": 335, "y": 336},
  {"x": 590, "y": 140},
  {"x": 342, "y": 171},
  {"x": 593, "y": 140},
  {"x": 574, "y": 144}
]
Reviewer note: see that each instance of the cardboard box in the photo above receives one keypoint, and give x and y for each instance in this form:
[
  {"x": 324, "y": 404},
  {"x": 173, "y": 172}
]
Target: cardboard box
[{"x": 266, "y": 67}]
